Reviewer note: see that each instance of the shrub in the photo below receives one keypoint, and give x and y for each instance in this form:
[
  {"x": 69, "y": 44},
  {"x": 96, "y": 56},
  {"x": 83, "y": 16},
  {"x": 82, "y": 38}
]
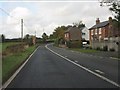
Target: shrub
[
  {"x": 74, "y": 44},
  {"x": 105, "y": 48},
  {"x": 61, "y": 41},
  {"x": 56, "y": 42},
  {"x": 112, "y": 49},
  {"x": 90, "y": 47},
  {"x": 68, "y": 43},
  {"x": 98, "y": 48}
]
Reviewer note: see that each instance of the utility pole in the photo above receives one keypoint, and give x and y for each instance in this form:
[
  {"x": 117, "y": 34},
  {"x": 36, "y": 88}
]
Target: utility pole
[
  {"x": 35, "y": 33},
  {"x": 21, "y": 30}
]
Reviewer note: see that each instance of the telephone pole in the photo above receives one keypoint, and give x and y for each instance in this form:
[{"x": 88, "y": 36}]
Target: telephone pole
[{"x": 21, "y": 30}]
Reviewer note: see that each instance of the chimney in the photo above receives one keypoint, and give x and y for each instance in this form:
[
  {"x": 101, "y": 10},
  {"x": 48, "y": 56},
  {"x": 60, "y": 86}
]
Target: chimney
[
  {"x": 110, "y": 20},
  {"x": 97, "y": 21}
]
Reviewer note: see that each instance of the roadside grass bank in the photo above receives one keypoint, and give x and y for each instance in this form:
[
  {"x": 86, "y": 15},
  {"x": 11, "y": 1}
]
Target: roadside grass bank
[
  {"x": 94, "y": 52},
  {"x": 12, "y": 62},
  {"x": 6, "y": 44},
  {"x": 84, "y": 50}
]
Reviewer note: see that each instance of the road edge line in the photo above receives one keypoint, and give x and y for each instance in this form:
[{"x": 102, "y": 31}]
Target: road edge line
[
  {"x": 84, "y": 68},
  {"x": 17, "y": 71}
]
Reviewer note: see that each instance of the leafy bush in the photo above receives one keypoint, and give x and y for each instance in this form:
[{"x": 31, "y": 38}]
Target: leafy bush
[
  {"x": 56, "y": 42},
  {"x": 112, "y": 49},
  {"x": 90, "y": 47},
  {"x": 68, "y": 43},
  {"x": 105, "y": 48},
  {"x": 98, "y": 48},
  {"x": 74, "y": 44}
]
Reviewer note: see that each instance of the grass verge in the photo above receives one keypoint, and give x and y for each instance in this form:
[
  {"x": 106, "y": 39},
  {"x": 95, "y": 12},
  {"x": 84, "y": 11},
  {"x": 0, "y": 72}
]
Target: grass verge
[
  {"x": 12, "y": 62},
  {"x": 6, "y": 44},
  {"x": 84, "y": 50}
]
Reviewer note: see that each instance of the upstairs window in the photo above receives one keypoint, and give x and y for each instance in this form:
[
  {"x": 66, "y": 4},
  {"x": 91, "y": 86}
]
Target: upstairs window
[
  {"x": 100, "y": 31},
  {"x": 91, "y": 32},
  {"x": 83, "y": 33}
]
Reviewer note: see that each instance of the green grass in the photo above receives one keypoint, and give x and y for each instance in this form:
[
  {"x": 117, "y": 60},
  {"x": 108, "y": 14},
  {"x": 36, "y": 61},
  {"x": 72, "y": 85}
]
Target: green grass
[
  {"x": 84, "y": 50},
  {"x": 0, "y": 47},
  {"x": 4, "y": 45},
  {"x": 12, "y": 62}
]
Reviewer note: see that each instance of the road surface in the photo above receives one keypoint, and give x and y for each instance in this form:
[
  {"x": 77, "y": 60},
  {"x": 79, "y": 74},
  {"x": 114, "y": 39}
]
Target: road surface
[{"x": 49, "y": 67}]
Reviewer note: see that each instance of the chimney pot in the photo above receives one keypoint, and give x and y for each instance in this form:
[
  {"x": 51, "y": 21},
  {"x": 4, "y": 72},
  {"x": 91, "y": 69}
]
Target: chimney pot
[
  {"x": 110, "y": 20},
  {"x": 97, "y": 21}
]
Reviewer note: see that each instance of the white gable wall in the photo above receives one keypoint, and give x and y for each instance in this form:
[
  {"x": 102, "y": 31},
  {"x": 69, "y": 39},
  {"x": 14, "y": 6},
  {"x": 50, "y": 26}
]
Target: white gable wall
[{"x": 86, "y": 33}]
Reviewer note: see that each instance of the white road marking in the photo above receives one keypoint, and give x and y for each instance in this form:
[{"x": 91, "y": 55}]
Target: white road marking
[
  {"x": 76, "y": 61},
  {"x": 86, "y": 69},
  {"x": 17, "y": 71},
  {"x": 99, "y": 71},
  {"x": 72, "y": 51},
  {"x": 114, "y": 58}
]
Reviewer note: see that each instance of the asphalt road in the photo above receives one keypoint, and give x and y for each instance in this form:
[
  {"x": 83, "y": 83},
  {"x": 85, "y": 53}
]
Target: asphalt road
[{"x": 46, "y": 69}]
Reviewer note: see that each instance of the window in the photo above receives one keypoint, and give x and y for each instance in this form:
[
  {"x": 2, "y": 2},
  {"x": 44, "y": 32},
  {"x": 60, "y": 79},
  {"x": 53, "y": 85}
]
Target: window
[
  {"x": 65, "y": 35},
  {"x": 83, "y": 33},
  {"x": 95, "y": 31},
  {"x": 100, "y": 31},
  {"x": 92, "y": 37},
  {"x": 91, "y": 32}
]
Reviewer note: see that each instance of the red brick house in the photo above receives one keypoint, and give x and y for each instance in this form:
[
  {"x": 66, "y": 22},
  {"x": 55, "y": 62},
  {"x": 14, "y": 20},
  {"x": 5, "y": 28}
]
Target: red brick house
[
  {"x": 103, "y": 31},
  {"x": 73, "y": 35}
]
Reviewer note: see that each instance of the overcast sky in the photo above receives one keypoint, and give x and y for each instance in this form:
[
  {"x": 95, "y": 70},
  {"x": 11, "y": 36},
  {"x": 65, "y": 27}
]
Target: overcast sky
[{"x": 48, "y": 15}]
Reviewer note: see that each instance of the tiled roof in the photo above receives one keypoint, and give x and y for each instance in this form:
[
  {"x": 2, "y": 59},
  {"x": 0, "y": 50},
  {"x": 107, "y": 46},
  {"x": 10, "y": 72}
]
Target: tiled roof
[
  {"x": 74, "y": 28},
  {"x": 102, "y": 24},
  {"x": 70, "y": 28}
]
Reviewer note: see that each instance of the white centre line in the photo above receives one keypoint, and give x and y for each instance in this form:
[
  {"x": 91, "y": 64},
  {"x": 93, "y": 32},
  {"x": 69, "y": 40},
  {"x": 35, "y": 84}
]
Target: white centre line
[{"x": 86, "y": 69}]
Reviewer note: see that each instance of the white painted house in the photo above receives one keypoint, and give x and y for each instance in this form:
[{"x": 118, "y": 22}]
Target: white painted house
[{"x": 85, "y": 34}]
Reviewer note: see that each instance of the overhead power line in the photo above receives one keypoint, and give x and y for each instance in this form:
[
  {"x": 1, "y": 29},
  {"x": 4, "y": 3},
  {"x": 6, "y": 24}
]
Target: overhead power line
[
  {"x": 8, "y": 13},
  {"x": 5, "y": 12}
]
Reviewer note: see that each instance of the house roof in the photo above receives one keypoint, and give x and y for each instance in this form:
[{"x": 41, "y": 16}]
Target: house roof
[
  {"x": 74, "y": 28},
  {"x": 71, "y": 28},
  {"x": 102, "y": 24}
]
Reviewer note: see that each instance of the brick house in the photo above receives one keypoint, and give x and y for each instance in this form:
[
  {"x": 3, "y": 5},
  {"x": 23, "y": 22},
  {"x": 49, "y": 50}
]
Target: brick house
[
  {"x": 73, "y": 35},
  {"x": 104, "y": 34}
]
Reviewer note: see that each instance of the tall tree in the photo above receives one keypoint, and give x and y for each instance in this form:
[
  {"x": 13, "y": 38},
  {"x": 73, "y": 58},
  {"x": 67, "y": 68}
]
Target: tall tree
[
  {"x": 27, "y": 39},
  {"x": 59, "y": 32},
  {"x": 27, "y": 36},
  {"x": 44, "y": 37},
  {"x": 79, "y": 24},
  {"x": 114, "y": 6}
]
